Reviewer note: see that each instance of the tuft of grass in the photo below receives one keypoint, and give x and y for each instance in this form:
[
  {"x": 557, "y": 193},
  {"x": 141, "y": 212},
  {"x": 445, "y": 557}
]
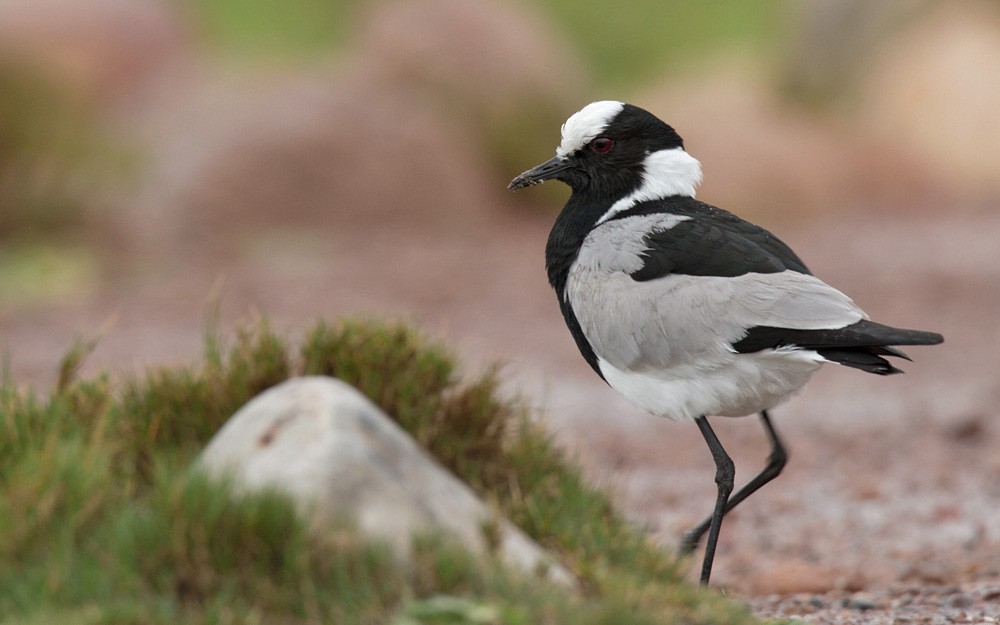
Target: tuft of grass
[
  {"x": 178, "y": 410},
  {"x": 206, "y": 545},
  {"x": 392, "y": 365},
  {"x": 102, "y": 520},
  {"x": 55, "y": 492}
]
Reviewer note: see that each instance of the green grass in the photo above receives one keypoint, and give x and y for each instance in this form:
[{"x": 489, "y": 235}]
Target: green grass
[
  {"x": 293, "y": 30},
  {"x": 46, "y": 273},
  {"x": 102, "y": 520},
  {"x": 627, "y": 44}
]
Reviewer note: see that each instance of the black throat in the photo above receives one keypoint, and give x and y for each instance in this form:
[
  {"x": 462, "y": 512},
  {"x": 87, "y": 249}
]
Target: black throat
[{"x": 571, "y": 227}]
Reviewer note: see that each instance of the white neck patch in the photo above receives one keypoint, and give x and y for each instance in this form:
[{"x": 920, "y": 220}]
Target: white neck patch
[
  {"x": 587, "y": 123},
  {"x": 667, "y": 172}
]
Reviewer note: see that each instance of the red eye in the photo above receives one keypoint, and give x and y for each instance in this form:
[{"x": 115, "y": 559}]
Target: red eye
[{"x": 602, "y": 145}]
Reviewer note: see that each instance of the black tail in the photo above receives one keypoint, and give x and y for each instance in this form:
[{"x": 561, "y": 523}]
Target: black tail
[
  {"x": 860, "y": 345},
  {"x": 863, "y": 358}
]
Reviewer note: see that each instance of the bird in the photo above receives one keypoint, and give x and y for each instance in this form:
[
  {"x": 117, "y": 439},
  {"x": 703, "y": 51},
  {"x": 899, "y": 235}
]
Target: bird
[{"x": 688, "y": 310}]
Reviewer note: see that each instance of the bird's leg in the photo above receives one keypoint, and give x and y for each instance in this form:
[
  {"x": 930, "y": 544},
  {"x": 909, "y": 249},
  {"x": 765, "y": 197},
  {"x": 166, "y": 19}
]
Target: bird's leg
[
  {"x": 725, "y": 473},
  {"x": 775, "y": 463}
]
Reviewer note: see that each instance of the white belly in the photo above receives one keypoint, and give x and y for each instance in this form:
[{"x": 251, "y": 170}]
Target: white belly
[{"x": 746, "y": 384}]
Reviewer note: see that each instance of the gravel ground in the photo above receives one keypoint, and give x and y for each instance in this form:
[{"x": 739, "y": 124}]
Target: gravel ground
[{"x": 900, "y": 604}]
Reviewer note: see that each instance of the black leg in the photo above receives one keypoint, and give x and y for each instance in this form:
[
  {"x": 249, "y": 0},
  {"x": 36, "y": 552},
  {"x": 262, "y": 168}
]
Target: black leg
[
  {"x": 725, "y": 473},
  {"x": 775, "y": 463}
]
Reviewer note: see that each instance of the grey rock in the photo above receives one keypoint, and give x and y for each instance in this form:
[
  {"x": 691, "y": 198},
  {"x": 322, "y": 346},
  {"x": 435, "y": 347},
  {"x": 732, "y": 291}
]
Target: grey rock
[{"x": 338, "y": 456}]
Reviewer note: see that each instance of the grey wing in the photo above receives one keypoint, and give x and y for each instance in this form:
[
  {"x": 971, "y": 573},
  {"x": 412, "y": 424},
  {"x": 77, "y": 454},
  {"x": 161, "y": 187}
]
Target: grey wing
[{"x": 680, "y": 319}]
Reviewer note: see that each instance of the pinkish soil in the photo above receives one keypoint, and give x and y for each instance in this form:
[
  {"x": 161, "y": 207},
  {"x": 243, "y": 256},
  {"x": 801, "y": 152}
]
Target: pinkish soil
[{"x": 889, "y": 510}]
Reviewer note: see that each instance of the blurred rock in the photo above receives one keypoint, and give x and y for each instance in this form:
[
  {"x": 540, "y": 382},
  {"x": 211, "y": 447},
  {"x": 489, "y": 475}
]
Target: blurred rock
[
  {"x": 495, "y": 65},
  {"x": 101, "y": 48},
  {"x": 484, "y": 55},
  {"x": 935, "y": 91},
  {"x": 311, "y": 150},
  {"x": 231, "y": 155},
  {"x": 761, "y": 155},
  {"x": 338, "y": 456},
  {"x": 833, "y": 42}
]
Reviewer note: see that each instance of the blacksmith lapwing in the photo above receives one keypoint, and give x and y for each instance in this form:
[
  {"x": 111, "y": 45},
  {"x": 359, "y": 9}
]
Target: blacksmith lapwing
[{"x": 686, "y": 309}]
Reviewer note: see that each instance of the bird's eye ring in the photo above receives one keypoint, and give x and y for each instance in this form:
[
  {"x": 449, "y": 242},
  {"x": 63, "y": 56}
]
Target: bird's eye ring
[{"x": 602, "y": 145}]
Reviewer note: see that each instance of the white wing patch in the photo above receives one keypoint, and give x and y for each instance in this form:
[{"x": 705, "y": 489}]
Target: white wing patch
[{"x": 586, "y": 124}]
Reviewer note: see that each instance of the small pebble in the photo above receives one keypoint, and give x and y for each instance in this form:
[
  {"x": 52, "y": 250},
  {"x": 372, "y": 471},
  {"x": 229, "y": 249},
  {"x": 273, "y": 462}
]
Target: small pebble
[
  {"x": 861, "y": 602},
  {"x": 961, "y": 601}
]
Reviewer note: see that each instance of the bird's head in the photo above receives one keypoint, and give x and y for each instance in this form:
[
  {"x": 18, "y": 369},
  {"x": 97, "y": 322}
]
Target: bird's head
[{"x": 611, "y": 149}]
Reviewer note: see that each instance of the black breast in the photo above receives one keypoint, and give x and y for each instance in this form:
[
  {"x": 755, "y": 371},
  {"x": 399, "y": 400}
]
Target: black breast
[{"x": 561, "y": 250}]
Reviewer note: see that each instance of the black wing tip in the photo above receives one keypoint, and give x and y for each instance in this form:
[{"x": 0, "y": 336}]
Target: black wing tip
[
  {"x": 931, "y": 338},
  {"x": 860, "y": 345},
  {"x": 881, "y": 341},
  {"x": 888, "y": 335},
  {"x": 864, "y": 334}
]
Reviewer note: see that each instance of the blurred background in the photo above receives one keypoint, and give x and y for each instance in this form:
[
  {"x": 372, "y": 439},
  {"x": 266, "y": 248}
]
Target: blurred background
[{"x": 166, "y": 165}]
